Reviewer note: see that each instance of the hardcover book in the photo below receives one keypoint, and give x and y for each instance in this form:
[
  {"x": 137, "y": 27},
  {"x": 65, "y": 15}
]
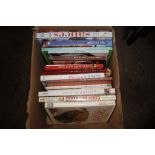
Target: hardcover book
[
  {"x": 74, "y": 67},
  {"x": 80, "y": 115},
  {"x": 88, "y": 98},
  {"x": 82, "y": 50},
  {"x": 61, "y": 72},
  {"x": 73, "y": 92},
  {"x": 79, "y": 86},
  {"x": 77, "y": 57},
  {"x": 85, "y": 76},
  {"x": 78, "y": 104},
  {"x": 78, "y": 83},
  {"x": 73, "y": 34},
  {"x": 78, "y": 43}
]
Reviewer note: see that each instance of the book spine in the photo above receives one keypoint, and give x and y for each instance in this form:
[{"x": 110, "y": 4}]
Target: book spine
[
  {"x": 46, "y": 57},
  {"x": 78, "y": 50},
  {"x": 59, "y": 72},
  {"x": 77, "y": 83},
  {"x": 72, "y": 76},
  {"x": 74, "y": 67},
  {"x": 80, "y": 57},
  {"x": 79, "y": 86},
  {"x": 108, "y": 59},
  {"x": 78, "y": 104},
  {"x": 78, "y": 80},
  {"x": 72, "y": 92},
  {"x": 68, "y": 34},
  {"x": 76, "y": 43},
  {"x": 78, "y": 98}
]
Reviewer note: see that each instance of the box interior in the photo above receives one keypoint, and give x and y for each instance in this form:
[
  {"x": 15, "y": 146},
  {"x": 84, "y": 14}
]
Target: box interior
[{"x": 36, "y": 113}]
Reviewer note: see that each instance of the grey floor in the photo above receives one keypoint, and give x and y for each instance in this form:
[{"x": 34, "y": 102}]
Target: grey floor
[{"x": 137, "y": 74}]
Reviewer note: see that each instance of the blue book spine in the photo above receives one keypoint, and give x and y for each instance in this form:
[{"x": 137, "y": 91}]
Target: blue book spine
[{"x": 105, "y": 42}]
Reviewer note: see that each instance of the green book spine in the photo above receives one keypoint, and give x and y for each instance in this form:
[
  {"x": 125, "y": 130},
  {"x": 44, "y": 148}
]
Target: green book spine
[
  {"x": 46, "y": 57},
  {"x": 107, "y": 65}
]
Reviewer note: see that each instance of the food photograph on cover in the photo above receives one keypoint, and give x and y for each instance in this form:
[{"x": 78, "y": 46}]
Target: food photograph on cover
[{"x": 78, "y": 77}]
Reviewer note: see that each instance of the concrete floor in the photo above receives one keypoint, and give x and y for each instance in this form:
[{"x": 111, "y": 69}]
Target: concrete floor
[{"x": 137, "y": 74}]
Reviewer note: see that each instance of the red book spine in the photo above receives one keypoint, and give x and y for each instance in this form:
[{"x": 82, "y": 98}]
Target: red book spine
[
  {"x": 48, "y": 72},
  {"x": 74, "y": 67}
]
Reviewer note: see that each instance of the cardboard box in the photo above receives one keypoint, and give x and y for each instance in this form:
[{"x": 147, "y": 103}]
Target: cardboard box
[{"x": 37, "y": 115}]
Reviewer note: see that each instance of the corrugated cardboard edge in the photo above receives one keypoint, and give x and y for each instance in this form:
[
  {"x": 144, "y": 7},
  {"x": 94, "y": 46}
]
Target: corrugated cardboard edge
[
  {"x": 116, "y": 119},
  {"x": 32, "y": 122}
]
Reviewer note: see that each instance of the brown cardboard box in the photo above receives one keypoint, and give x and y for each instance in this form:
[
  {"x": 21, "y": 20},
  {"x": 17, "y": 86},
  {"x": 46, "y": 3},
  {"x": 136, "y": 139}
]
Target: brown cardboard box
[{"x": 36, "y": 114}]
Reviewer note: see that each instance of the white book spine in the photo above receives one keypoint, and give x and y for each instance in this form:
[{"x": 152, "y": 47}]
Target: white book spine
[
  {"x": 71, "y": 76},
  {"x": 66, "y": 34},
  {"x": 71, "y": 92},
  {"x": 79, "y": 86},
  {"x": 78, "y": 104},
  {"x": 78, "y": 98},
  {"x": 51, "y": 99}
]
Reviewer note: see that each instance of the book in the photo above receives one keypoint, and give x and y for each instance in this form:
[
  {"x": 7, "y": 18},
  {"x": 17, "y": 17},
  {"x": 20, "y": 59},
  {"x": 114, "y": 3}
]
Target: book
[
  {"x": 78, "y": 98},
  {"x": 81, "y": 115},
  {"x": 46, "y": 57},
  {"x": 73, "y": 34},
  {"x": 79, "y": 86},
  {"x": 77, "y": 83},
  {"x": 73, "y": 92},
  {"x": 74, "y": 67},
  {"x": 77, "y": 57},
  {"x": 77, "y": 50},
  {"x": 68, "y": 81},
  {"x": 78, "y": 104},
  {"x": 107, "y": 64},
  {"x": 45, "y": 83},
  {"x": 78, "y": 43},
  {"x": 76, "y": 62},
  {"x": 72, "y": 76},
  {"x": 60, "y": 72}
]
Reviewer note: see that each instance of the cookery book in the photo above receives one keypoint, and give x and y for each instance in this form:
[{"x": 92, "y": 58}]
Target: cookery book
[{"x": 79, "y": 115}]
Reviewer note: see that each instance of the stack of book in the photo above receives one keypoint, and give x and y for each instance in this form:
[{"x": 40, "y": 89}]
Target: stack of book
[{"x": 77, "y": 76}]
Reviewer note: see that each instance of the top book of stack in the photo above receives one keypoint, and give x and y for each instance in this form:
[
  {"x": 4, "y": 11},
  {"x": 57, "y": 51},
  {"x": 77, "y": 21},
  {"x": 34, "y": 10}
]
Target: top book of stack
[{"x": 73, "y": 34}]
